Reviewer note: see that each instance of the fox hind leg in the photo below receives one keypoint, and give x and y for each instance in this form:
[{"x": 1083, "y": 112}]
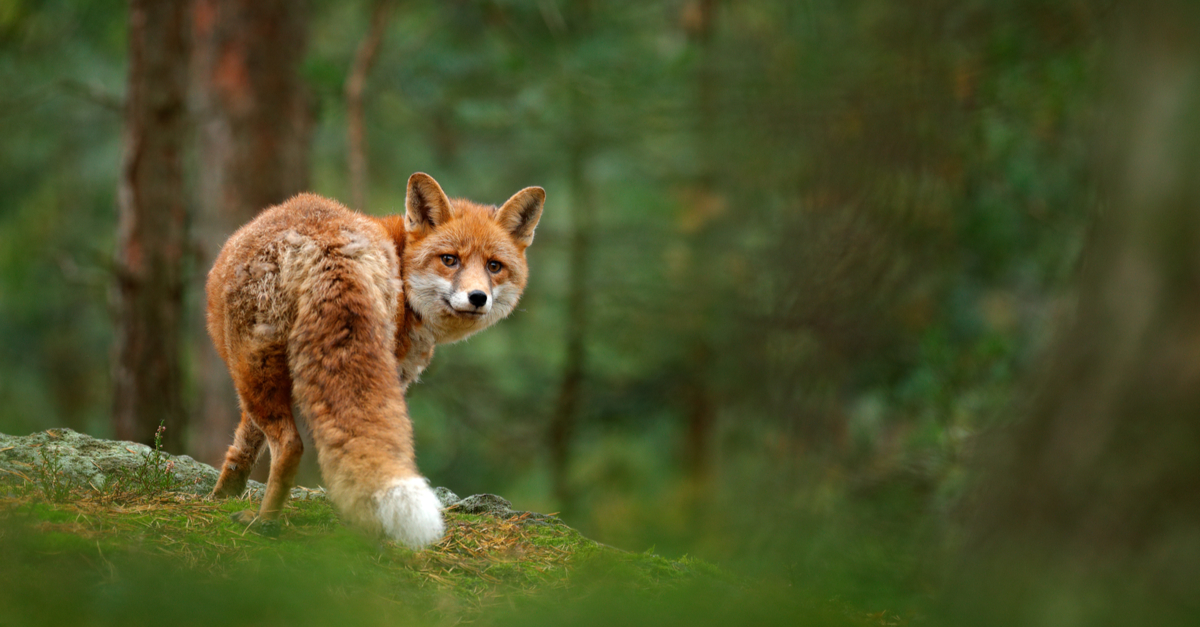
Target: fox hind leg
[
  {"x": 265, "y": 390},
  {"x": 286, "y": 450},
  {"x": 240, "y": 458}
]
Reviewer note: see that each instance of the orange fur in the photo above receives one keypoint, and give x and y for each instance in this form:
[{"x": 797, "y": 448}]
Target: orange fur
[{"x": 339, "y": 312}]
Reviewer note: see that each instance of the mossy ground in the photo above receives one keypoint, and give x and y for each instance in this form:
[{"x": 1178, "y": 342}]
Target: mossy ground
[
  {"x": 95, "y": 544},
  {"x": 138, "y": 551}
]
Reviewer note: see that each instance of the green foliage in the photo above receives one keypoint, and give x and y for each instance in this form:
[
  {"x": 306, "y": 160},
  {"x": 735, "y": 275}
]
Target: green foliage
[
  {"x": 48, "y": 475},
  {"x": 154, "y": 474},
  {"x": 839, "y": 181},
  {"x": 63, "y": 67}
]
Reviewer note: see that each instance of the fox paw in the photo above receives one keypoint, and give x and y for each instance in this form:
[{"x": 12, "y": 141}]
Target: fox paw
[
  {"x": 229, "y": 490},
  {"x": 268, "y": 528},
  {"x": 244, "y": 517},
  {"x": 248, "y": 518}
]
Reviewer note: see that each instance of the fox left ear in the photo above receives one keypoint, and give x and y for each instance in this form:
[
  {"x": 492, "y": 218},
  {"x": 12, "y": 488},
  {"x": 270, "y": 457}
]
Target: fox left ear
[
  {"x": 425, "y": 205},
  {"x": 519, "y": 215}
]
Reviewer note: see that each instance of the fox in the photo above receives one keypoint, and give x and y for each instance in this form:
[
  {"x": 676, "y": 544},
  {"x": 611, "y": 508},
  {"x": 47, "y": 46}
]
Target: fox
[{"x": 338, "y": 312}]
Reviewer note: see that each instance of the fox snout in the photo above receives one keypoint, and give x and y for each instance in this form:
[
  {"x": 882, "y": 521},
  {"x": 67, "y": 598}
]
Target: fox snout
[{"x": 471, "y": 301}]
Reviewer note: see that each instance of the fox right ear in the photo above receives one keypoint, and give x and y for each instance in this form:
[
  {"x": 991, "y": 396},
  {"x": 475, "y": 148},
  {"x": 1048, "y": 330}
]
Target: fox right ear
[
  {"x": 520, "y": 214},
  {"x": 426, "y": 205}
]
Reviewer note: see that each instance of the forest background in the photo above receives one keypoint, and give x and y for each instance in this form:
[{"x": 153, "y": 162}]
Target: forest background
[{"x": 800, "y": 261}]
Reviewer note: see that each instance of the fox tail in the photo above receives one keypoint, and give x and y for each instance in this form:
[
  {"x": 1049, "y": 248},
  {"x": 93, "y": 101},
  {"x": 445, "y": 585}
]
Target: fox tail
[
  {"x": 410, "y": 512},
  {"x": 344, "y": 378}
]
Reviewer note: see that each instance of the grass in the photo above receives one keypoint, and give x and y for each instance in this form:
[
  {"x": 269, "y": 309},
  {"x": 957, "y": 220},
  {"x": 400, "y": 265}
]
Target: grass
[
  {"x": 136, "y": 550},
  {"x": 97, "y": 542},
  {"x": 50, "y": 478}
]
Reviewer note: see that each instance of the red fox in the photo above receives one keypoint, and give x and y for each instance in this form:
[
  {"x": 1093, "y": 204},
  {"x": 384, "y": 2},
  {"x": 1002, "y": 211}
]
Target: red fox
[{"x": 339, "y": 312}]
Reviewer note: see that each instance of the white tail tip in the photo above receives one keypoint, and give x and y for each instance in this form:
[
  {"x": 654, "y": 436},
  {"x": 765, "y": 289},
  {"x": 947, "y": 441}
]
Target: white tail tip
[{"x": 410, "y": 512}]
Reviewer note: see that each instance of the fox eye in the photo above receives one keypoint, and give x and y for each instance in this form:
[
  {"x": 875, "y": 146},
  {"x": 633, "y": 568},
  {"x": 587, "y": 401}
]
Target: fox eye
[
  {"x": 450, "y": 260},
  {"x": 495, "y": 266}
]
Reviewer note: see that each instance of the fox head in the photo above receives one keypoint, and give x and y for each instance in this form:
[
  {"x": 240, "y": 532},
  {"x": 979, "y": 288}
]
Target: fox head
[{"x": 464, "y": 263}]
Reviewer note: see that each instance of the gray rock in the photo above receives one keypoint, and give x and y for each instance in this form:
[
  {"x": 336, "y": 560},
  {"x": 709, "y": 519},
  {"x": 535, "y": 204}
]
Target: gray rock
[
  {"x": 493, "y": 505},
  {"x": 447, "y": 497},
  {"x": 484, "y": 504},
  {"x": 86, "y": 461}
]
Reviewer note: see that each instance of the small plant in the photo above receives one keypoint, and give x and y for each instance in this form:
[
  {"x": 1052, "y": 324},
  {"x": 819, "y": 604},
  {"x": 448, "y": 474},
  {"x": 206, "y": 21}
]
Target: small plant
[
  {"x": 50, "y": 478},
  {"x": 155, "y": 473}
]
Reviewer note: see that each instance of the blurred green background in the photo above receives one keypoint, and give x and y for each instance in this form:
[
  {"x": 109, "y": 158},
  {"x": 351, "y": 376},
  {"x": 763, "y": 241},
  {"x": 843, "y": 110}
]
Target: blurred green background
[{"x": 798, "y": 258}]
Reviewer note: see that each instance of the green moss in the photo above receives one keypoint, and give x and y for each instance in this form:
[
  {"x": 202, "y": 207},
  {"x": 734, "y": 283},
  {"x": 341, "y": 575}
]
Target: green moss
[
  {"x": 100, "y": 541},
  {"x": 58, "y": 542},
  {"x": 43, "y": 511}
]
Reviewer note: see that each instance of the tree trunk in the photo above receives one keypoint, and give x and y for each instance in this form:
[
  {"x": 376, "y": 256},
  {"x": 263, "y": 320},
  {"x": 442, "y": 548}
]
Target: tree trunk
[
  {"x": 579, "y": 142},
  {"x": 699, "y": 20},
  {"x": 562, "y": 424},
  {"x": 254, "y": 126},
  {"x": 151, "y": 229},
  {"x": 1089, "y": 513},
  {"x": 356, "y": 82}
]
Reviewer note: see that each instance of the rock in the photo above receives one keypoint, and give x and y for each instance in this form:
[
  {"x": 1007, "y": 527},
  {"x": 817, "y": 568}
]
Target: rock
[
  {"x": 85, "y": 461},
  {"x": 493, "y": 505},
  {"x": 446, "y": 497},
  {"x": 484, "y": 504}
]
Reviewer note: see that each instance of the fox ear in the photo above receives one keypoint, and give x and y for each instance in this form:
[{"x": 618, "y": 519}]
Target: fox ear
[
  {"x": 520, "y": 214},
  {"x": 426, "y": 205}
]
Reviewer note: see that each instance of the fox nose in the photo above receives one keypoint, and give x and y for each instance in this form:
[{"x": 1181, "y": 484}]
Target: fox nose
[{"x": 477, "y": 298}]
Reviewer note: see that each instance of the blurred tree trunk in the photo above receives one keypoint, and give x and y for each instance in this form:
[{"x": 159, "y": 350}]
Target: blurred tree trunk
[
  {"x": 582, "y": 209},
  {"x": 356, "y": 82},
  {"x": 1099, "y": 487},
  {"x": 254, "y": 123},
  {"x": 704, "y": 201},
  {"x": 151, "y": 227},
  {"x": 562, "y": 425}
]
